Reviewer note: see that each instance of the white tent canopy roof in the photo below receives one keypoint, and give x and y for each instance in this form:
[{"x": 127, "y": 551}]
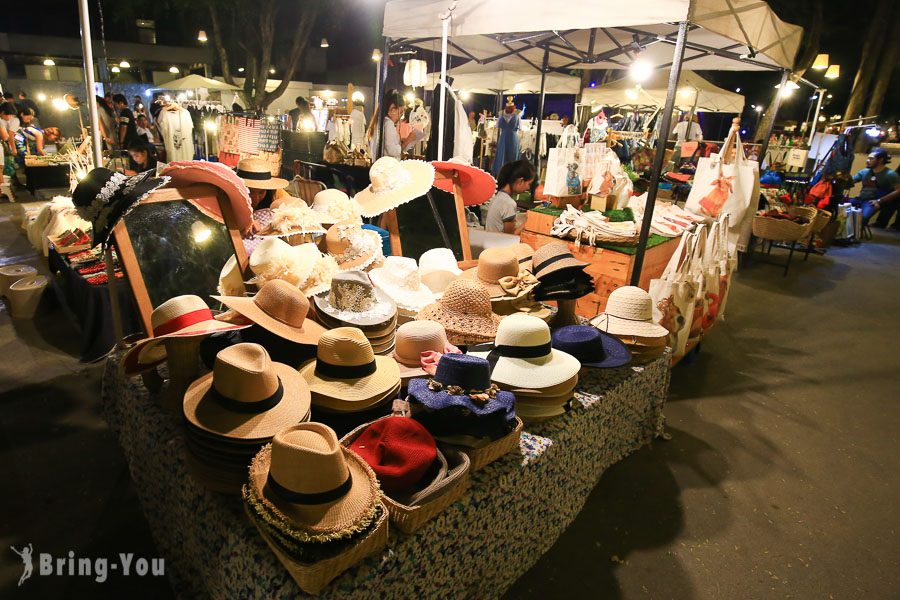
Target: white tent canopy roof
[
  {"x": 194, "y": 82},
  {"x": 497, "y": 78},
  {"x": 625, "y": 92},
  {"x": 600, "y": 34}
]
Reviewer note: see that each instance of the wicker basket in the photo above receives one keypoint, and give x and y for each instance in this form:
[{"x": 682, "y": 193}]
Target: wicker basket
[
  {"x": 823, "y": 218},
  {"x": 782, "y": 230},
  {"x": 410, "y": 518},
  {"x": 482, "y": 457},
  {"x": 314, "y": 577}
]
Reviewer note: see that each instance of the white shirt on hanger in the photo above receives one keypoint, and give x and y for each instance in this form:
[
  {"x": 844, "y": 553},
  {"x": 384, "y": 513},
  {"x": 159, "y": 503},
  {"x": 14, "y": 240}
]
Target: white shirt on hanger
[{"x": 177, "y": 130}]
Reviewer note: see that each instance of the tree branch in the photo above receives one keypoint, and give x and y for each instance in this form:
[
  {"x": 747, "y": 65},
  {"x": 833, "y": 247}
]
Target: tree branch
[
  {"x": 298, "y": 50},
  {"x": 219, "y": 46}
]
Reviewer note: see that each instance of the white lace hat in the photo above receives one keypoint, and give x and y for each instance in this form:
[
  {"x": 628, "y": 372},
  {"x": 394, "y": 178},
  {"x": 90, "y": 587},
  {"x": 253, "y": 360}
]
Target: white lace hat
[
  {"x": 399, "y": 279},
  {"x": 394, "y": 183},
  {"x": 437, "y": 268}
]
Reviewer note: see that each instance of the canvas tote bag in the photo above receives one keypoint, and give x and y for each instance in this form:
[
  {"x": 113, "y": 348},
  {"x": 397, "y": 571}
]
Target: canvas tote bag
[
  {"x": 673, "y": 295},
  {"x": 721, "y": 187},
  {"x": 695, "y": 271},
  {"x": 727, "y": 266},
  {"x": 564, "y": 165}
]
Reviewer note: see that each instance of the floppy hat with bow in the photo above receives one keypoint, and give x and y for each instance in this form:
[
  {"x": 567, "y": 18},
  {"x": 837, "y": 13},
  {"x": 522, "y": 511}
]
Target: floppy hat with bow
[
  {"x": 465, "y": 312},
  {"x": 348, "y": 369},
  {"x": 437, "y": 268},
  {"x": 399, "y": 279},
  {"x": 256, "y": 173},
  {"x": 353, "y": 300},
  {"x": 280, "y": 308},
  {"x": 420, "y": 344},
  {"x": 181, "y": 316},
  {"x": 307, "y": 480},
  {"x": 591, "y": 347},
  {"x": 247, "y": 396},
  {"x": 523, "y": 352},
  {"x": 103, "y": 197},
  {"x": 394, "y": 183},
  {"x": 352, "y": 246},
  {"x": 498, "y": 271},
  {"x": 629, "y": 312},
  {"x": 477, "y": 186}
]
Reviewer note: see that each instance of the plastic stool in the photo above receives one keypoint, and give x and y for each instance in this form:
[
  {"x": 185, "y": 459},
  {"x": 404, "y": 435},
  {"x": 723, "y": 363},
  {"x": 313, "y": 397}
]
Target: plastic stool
[
  {"x": 24, "y": 296},
  {"x": 10, "y": 274}
]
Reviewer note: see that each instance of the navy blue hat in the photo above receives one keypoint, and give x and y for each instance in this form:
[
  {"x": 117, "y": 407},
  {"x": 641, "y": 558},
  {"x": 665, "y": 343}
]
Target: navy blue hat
[
  {"x": 592, "y": 347},
  {"x": 460, "y": 400}
]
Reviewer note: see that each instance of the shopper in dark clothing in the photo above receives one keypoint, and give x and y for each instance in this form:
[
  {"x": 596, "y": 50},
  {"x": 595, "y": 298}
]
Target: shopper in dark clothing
[
  {"x": 141, "y": 157},
  {"x": 127, "y": 127},
  {"x": 880, "y": 191},
  {"x": 25, "y": 101}
]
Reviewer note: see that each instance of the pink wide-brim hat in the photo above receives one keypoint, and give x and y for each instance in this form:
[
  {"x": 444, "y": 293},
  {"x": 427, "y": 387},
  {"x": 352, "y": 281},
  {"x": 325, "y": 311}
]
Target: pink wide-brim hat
[{"x": 190, "y": 172}]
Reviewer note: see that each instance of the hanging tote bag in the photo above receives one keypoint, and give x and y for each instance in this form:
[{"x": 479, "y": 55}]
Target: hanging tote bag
[
  {"x": 698, "y": 279},
  {"x": 563, "y": 176},
  {"x": 721, "y": 187},
  {"x": 727, "y": 266},
  {"x": 712, "y": 272},
  {"x": 673, "y": 296}
]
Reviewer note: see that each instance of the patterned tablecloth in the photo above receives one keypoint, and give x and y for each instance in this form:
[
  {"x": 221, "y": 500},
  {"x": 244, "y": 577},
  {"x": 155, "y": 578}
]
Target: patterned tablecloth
[{"x": 513, "y": 512}]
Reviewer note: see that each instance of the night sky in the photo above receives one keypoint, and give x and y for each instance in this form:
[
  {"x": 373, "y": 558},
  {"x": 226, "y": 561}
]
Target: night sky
[{"x": 353, "y": 30}]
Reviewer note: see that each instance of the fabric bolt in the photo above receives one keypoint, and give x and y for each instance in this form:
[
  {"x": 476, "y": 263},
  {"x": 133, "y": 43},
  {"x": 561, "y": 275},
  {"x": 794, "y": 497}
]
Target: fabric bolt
[{"x": 230, "y": 159}]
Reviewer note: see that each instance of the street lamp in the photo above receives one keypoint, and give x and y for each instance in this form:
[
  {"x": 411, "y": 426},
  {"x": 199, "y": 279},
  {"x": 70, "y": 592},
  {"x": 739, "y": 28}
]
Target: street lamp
[
  {"x": 201, "y": 37},
  {"x": 833, "y": 72},
  {"x": 125, "y": 64},
  {"x": 48, "y": 62}
]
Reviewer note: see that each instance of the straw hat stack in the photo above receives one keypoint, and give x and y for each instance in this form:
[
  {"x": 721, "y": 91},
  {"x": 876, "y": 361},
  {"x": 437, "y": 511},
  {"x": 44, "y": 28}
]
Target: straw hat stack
[
  {"x": 314, "y": 500},
  {"x": 522, "y": 361},
  {"x": 561, "y": 275},
  {"x": 353, "y": 301},
  {"x": 230, "y": 413},
  {"x": 350, "y": 385},
  {"x": 629, "y": 317},
  {"x": 465, "y": 312}
]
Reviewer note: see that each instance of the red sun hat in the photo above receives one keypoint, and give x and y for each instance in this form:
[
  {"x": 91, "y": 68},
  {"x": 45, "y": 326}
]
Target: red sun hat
[
  {"x": 477, "y": 186},
  {"x": 400, "y": 451}
]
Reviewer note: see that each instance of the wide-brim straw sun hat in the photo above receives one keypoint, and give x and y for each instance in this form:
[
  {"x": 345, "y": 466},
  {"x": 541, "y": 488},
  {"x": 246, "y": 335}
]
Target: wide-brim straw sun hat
[
  {"x": 307, "y": 480},
  {"x": 334, "y": 206},
  {"x": 592, "y": 347},
  {"x": 179, "y": 317},
  {"x": 629, "y": 312},
  {"x": 394, "y": 182},
  {"x": 247, "y": 395},
  {"x": 465, "y": 312},
  {"x": 399, "y": 278},
  {"x": 352, "y": 246},
  {"x": 280, "y": 308},
  {"x": 256, "y": 173},
  {"x": 552, "y": 258},
  {"x": 347, "y": 368},
  {"x": 477, "y": 186},
  {"x": 523, "y": 352},
  {"x": 353, "y": 300},
  {"x": 524, "y": 253}
]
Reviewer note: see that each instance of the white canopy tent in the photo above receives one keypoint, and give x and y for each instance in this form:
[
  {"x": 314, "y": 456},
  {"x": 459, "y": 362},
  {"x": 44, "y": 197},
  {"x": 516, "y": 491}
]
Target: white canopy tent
[
  {"x": 195, "y": 82},
  {"x": 501, "y": 79},
  {"x": 693, "y": 90}
]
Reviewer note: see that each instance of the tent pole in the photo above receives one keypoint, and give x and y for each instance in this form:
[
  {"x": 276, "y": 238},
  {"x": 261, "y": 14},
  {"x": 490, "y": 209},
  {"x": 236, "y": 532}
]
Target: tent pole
[
  {"x": 664, "y": 129},
  {"x": 88, "y": 51},
  {"x": 382, "y": 109},
  {"x": 765, "y": 140},
  {"x": 540, "y": 119},
  {"x": 445, "y": 33}
]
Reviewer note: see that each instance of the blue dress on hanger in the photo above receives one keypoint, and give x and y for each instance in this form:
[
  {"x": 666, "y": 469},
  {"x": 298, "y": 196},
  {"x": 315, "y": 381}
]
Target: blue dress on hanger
[{"x": 507, "y": 142}]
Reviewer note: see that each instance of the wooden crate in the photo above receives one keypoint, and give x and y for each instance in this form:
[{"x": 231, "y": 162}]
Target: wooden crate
[
  {"x": 610, "y": 269},
  {"x": 537, "y": 222},
  {"x": 563, "y": 201}
]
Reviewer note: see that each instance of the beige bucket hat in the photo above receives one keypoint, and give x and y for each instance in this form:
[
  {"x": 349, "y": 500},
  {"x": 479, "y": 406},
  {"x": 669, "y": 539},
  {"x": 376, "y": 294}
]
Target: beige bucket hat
[
  {"x": 347, "y": 368},
  {"x": 307, "y": 479},
  {"x": 247, "y": 395},
  {"x": 352, "y": 246},
  {"x": 465, "y": 312},
  {"x": 394, "y": 183},
  {"x": 280, "y": 308},
  {"x": 257, "y": 174},
  {"x": 629, "y": 312}
]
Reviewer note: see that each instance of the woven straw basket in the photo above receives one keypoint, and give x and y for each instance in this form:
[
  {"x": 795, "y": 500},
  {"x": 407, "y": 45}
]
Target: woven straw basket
[
  {"x": 783, "y": 230},
  {"x": 823, "y": 217},
  {"x": 313, "y": 578},
  {"x": 482, "y": 457},
  {"x": 410, "y": 518}
]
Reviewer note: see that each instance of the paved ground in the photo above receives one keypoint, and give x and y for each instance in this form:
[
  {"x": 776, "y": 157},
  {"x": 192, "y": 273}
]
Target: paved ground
[{"x": 779, "y": 480}]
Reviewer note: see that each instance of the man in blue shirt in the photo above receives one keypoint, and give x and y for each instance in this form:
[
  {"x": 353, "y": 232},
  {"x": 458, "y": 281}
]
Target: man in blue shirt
[{"x": 880, "y": 189}]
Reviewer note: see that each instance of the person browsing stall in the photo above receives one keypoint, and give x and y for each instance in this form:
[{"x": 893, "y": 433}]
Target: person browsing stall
[
  {"x": 265, "y": 191},
  {"x": 514, "y": 178},
  {"x": 880, "y": 189},
  {"x": 127, "y": 126},
  {"x": 688, "y": 132},
  {"x": 392, "y": 145},
  {"x": 141, "y": 157}
]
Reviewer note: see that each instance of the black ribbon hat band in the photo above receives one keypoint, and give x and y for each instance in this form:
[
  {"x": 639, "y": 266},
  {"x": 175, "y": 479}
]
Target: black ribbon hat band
[
  {"x": 324, "y": 369},
  {"x": 253, "y": 175},
  {"x": 247, "y": 407},
  {"x": 553, "y": 259},
  {"x": 518, "y": 352},
  {"x": 317, "y": 498}
]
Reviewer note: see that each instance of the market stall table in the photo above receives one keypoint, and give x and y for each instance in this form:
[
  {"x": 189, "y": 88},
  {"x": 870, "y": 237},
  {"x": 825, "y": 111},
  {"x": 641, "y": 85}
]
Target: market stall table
[{"x": 513, "y": 512}]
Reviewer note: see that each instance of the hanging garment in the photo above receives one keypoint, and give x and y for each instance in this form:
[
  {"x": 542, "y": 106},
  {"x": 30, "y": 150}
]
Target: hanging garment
[
  {"x": 597, "y": 129},
  {"x": 508, "y": 142},
  {"x": 177, "y": 129},
  {"x": 357, "y": 129},
  {"x": 248, "y": 136},
  {"x": 270, "y": 135}
]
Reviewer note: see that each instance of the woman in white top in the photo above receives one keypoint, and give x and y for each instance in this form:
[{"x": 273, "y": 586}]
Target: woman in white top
[
  {"x": 391, "y": 144},
  {"x": 514, "y": 178}
]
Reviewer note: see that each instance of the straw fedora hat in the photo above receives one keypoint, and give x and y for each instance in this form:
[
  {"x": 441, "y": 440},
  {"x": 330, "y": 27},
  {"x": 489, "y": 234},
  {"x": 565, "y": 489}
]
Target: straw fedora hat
[
  {"x": 498, "y": 271},
  {"x": 352, "y": 246},
  {"x": 416, "y": 338},
  {"x": 553, "y": 258},
  {"x": 347, "y": 368},
  {"x": 394, "y": 183},
  {"x": 181, "y": 316},
  {"x": 256, "y": 173},
  {"x": 354, "y": 300},
  {"x": 274, "y": 258},
  {"x": 334, "y": 206},
  {"x": 523, "y": 352},
  {"x": 629, "y": 312},
  {"x": 437, "y": 268},
  {"x": 399, "y": 279},
  {"x": 247, "y": 395},
  {"x": 465, "y": 312},
  {"x": 477, "y": 186},
  {"x": 280, "y": 308},
  {"x": 305, "y": 477}
]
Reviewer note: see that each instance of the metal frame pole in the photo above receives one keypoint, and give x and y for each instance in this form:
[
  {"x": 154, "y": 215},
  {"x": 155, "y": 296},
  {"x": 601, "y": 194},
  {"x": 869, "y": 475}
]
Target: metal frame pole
[
  {"x": 665, "y": 128},
  {"x": 88, "y": 52},
  {"x": 815, "y": 120},
  {"x": 382, "y": 109},
  {"x": 540, "y": 118},
  {"x": 446, "y": 19},
  {"x": 765, "y": 140}
]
